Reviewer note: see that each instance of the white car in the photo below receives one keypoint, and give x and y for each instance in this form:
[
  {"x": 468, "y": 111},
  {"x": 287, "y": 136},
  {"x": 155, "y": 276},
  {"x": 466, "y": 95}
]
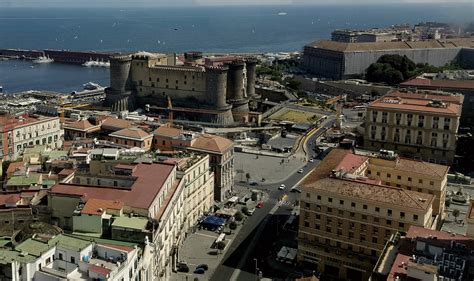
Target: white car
[
  {"x": 311, "y": 160},
  {"x": 250, "y": 211},
  {"x": 300, "y": 171},
  {"x": 281, "y": 187}
]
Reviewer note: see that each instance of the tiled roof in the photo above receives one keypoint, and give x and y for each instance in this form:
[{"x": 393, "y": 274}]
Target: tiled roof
[
  {"x": 444, "y": 83},
  {"x": 14, "y": 166},
  {"x": 351, "y": 162},
  {"x": 131, "y": 133},
  {"x": 373, "y": 192},
  {"x": 417, "y": 103},
  {"x": 167, "y": 131},
  {"x": 150, "y": 180},
  {"x": 98, "y": 206},
  {"x": 421, "y": 167},
  {"x": 81, "y": 125},
  {"x": 104, "y": 271},
  {"x": 326, "y": 166},
  {"x": 115, "y": 124},
  {"x": 9, "y": 198},
  {"x": 211, "y": 143}
]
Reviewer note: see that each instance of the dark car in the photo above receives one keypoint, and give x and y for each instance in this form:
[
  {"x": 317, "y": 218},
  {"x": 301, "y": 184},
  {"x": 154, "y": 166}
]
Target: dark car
[
  {"x": 199, "y": 270},
  {"x": 182, "y": 267},
  {"x": 253, "y": 183},
  {"x": 203, "y": 266}
]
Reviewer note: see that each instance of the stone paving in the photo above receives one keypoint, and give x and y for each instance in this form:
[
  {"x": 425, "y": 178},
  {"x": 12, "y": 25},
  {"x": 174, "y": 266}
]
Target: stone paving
[{"x": 268, "y": 167}]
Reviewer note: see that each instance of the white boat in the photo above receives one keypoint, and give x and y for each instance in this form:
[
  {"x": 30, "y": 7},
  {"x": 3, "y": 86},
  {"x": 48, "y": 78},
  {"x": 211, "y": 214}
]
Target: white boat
[
  {"x": 43, "y": 59},
  {"x": 91, "y": 86},
  {"x": 96, "y": 63},
  {"x": 282, "y": 13}
]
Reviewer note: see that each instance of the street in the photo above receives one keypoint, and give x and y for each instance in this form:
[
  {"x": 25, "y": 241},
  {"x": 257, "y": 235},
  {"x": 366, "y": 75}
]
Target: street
[{"x": 240, "y": 257}]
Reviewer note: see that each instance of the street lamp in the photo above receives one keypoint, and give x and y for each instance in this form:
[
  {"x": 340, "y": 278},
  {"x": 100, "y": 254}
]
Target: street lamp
[{"x": 256, "y": 266}]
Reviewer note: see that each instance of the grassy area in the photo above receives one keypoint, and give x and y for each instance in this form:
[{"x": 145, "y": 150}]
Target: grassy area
[{"x": 296, "y": 116}]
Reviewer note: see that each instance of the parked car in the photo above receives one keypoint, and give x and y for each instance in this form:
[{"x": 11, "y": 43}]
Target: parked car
[
  {"x": 311, "y": 160},
  {"x": 199, "y": 270},
  {"x": 259, "y": 205},
  {"x": 300, "y": 171},
  {"x": 282, "y": 186},
  {"x": 250, "y": 211},
  {"x": 253, "y": 183},
  {"x": 203, "y": 266}
]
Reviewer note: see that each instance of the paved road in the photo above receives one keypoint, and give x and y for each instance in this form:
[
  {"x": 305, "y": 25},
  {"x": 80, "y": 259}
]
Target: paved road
[{"x": 238, "y": 249}]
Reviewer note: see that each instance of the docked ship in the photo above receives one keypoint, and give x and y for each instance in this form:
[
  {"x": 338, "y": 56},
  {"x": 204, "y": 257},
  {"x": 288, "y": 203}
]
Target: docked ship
[
  {"x": 43, "y": 59},
  {"x": 96, "y": 63},
  {"x": 91, "y": 86}
]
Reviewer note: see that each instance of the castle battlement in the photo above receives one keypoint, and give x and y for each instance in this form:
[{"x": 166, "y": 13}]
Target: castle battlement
[
  {"x": 122, "y": 58},
  {"x": 178, "y": 68}
]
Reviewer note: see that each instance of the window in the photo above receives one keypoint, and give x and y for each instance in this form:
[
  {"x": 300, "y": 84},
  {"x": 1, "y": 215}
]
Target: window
[
  {"x": 306, "y": 224},
  {"x": 374, "y": 239},
  {"x": 420, "y": 181},
  {"x": 401, "y": 224},
  {"x": 316, "y": 226},
  {"x": 318, "y": 216},
  {"x": 389, "y": 212},
  {"x": 341, "y": 202},
  {"x": 409, "y": 179},
  {"x": 329, "y": 210},
  {"x": 377, "y": 209},
  {"x": 415, "y": 217},
  {"x": 364, "y": 207},
  {"x": 353, "y": 204},
  {"x": 60, "y": 256},
  {"x": 431, "y": 182},
  {"x": 306, "y": 205},
  {"x": 308, "y": 195},
  {"x": 389, "y": 175},
  {"x": 364, "y": 217},
  {"x": 399, "y": 177},
  {"x": 329, "y": 199},
  {"x": 376, "y": 219},
  {"x": 389, "y": 222},
  {"x": 319, "y": 197},
  {"x": 402, "y": 215},
  {"x": 73, "y": 260},
  {"x": 352, "y": 214}
]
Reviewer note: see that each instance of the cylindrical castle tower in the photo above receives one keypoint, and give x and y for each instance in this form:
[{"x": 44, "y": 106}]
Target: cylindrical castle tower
[
  {"x": 216, "y": 84},
  {"x": 236, "y": 91},
  {"x": 251, "y": 67},
  {"x": 117, "y": 96},
  {"x": 235, "y": 80}
]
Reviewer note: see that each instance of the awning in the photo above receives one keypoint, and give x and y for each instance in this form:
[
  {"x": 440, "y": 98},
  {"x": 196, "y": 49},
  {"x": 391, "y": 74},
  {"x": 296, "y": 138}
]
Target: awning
[{"x": 213, "y": 220}]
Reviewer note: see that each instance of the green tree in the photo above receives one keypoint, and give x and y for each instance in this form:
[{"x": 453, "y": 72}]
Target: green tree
[
  {"x": 293, "y": 84},
  {"x": 238, "y": 216},
  {"x": 220, "y": 245},
  {"x": 247, "y": 176},
  {"x": 245, "y": 210},
  {"x": 233, "y": 225}
]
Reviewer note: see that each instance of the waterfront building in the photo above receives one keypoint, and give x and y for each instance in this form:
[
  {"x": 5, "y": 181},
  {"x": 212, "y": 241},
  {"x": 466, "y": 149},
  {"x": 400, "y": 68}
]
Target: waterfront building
[
  {"x": 417, "y": 125},
  {"x": 341, "y": 60}
]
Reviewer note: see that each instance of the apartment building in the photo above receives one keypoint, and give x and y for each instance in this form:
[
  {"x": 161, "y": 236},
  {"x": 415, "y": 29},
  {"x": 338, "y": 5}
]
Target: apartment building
[
  {"x": 417, "y": 125},
  {"x": 220, "y": 150},
  {"x": 23, "y": 131},
  {"x": 426, "y": 254},
  {"x": 65, "y": 257},
  {"x": 195, "y": 170},
  {"x": 346, "y": 219}
]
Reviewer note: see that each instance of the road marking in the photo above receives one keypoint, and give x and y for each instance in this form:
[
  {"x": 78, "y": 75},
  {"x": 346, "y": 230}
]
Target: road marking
[{"x": 207, "y": 235}]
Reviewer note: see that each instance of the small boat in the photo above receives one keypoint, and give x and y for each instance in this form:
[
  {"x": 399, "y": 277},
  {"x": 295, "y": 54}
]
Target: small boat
[
  {"x": 43, "y": 59},
  {"x": 1, "y": 89},
  {"x": 282, "y": 13},
  {"x": 91, "y": 86},
  {"x": 96, "y": 63}
]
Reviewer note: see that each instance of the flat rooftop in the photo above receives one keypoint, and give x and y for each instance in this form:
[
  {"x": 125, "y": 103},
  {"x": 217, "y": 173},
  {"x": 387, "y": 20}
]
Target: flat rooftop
[
  {"x": 416, "y": 102},
  {"x": 150, "y": 180}
]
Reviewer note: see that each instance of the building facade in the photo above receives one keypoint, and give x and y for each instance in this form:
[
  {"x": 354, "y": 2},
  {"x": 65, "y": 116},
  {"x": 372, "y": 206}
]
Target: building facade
[
  {"x": 346, "y": 218},
  {"x": 420, "y": 126},
  {"x": 21, "y": 132},
  {"x": 342, "y": 60}
]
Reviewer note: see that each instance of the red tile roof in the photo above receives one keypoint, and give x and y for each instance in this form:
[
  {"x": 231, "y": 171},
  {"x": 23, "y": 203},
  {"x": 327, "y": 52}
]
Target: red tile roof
[
  {"x": 81, "y": 125},
  {"x": 14, "y": 166},
  {"x": 351, "y": 162},
  {"x": 132, "y": 133},
  {"x": 9, "y": 198},
  {"x": 436, "y": 84},
  {"x": 150, "y": 180},
  {"x": 98, "y": 206},
  {"x": 167, "y": 131},
  {"x": 99, "y": 269},
  {"x": 115, "y": 124},
  {"x": 212, "y": 143}
]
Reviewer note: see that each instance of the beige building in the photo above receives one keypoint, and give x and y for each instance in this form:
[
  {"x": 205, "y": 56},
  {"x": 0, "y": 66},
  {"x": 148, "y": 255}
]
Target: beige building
[
  {"x": 21, "y": 132},
  {"x": 220, "y": 150},
  {"x": 470, "y": 220},
  {"x": 132, "y": 137},
  {"x": 420, "y": 126},
  {"x": 346, "y": 219}
]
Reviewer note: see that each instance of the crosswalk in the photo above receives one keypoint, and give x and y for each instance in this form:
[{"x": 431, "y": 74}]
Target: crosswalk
[{"x": 284, "y": 203}]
